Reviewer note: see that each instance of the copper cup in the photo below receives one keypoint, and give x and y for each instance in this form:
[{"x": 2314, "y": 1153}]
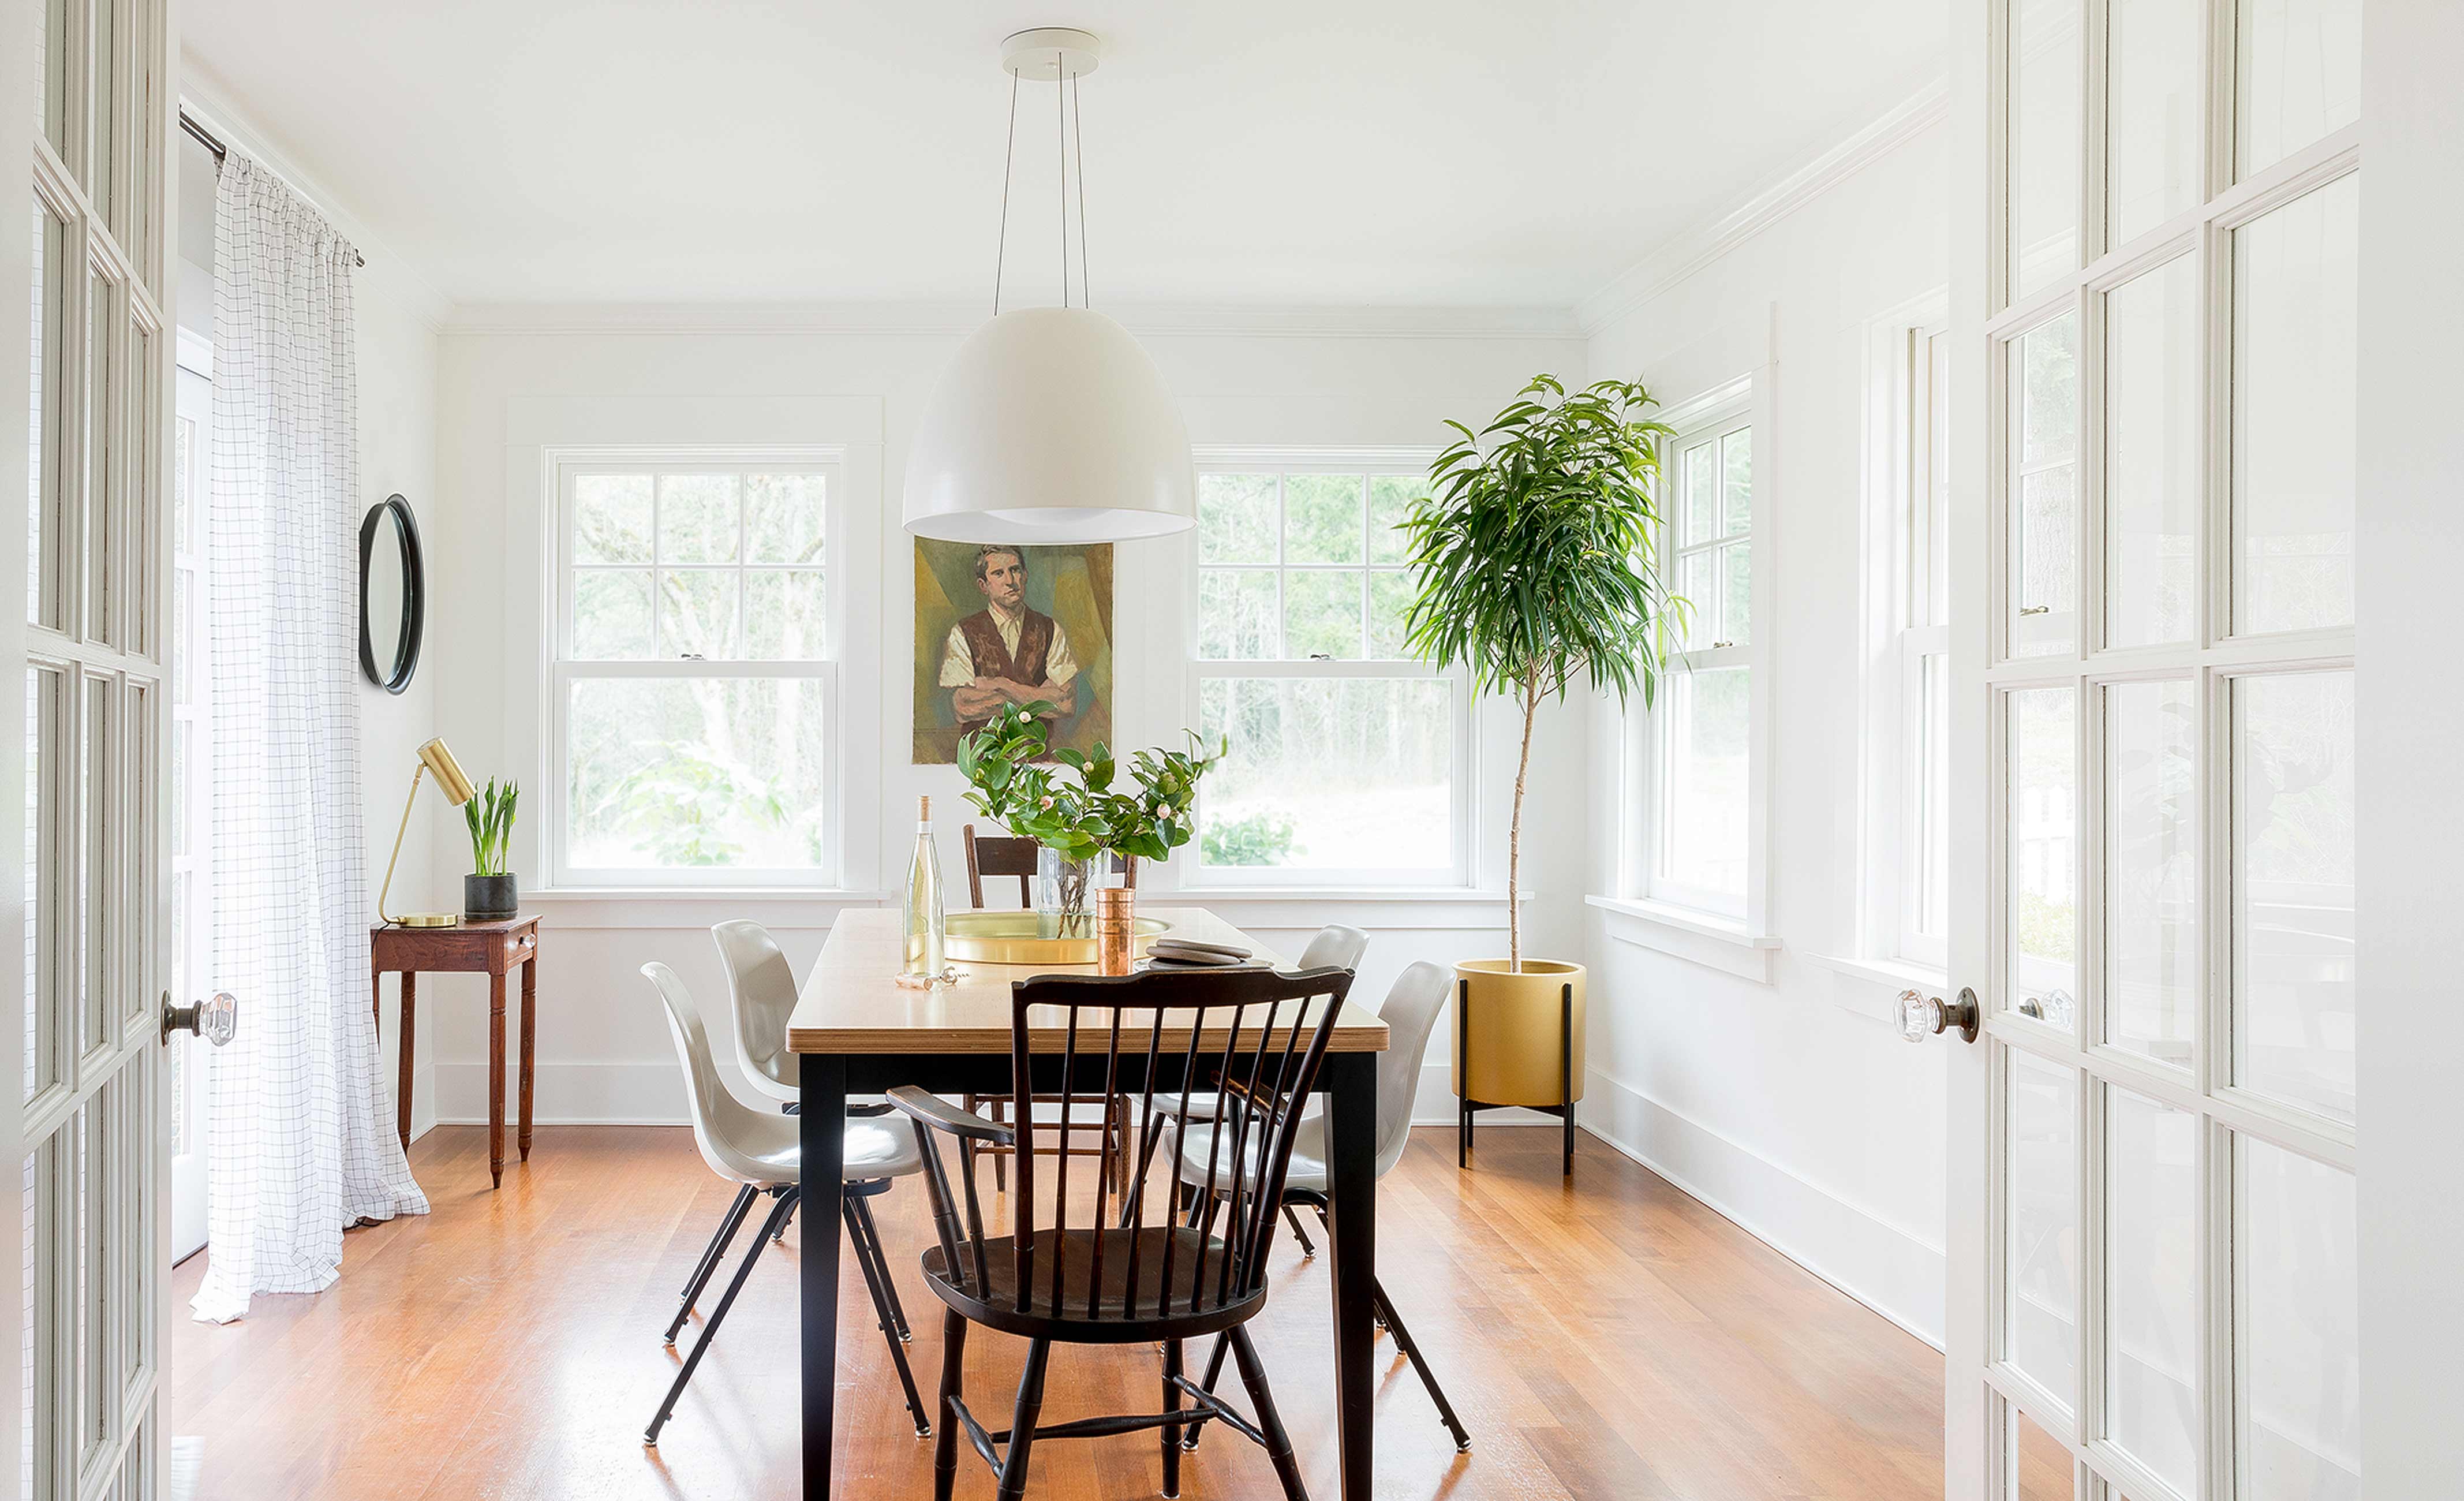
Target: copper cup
[{"x": 1116, "y": 918}]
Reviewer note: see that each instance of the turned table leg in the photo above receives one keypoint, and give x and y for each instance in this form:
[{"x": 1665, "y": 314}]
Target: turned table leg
[
  {"x": 496, "y": 1078},
  {"x": 530, "y": 1043},
  {"x": 410, "y": 1032}
]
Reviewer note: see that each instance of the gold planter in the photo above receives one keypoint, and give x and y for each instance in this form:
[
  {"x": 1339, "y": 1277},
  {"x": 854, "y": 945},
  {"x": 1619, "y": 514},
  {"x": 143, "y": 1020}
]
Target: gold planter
[{"x": 1512, "y": 1038}]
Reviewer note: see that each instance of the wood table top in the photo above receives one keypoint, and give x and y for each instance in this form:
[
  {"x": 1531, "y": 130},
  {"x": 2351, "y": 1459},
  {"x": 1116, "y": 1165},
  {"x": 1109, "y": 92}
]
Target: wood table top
[{"x": 850, "y": 1002}]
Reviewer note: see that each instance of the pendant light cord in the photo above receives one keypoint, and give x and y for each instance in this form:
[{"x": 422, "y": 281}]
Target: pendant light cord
[
  {"x": 1071, "y": 118},
  {"x": 1009, "y": 152},
  {"x": 1078, "y": 132}
]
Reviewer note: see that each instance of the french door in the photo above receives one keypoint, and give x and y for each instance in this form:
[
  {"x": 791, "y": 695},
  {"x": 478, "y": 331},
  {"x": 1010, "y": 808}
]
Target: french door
[
  {"x": 2152, "y": 1209},
  {"x": 87, "y": 612}
]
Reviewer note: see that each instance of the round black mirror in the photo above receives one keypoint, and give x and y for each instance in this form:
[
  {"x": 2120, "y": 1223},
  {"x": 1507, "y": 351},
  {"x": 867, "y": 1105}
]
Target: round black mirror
[{"x": 393, "y": 594}]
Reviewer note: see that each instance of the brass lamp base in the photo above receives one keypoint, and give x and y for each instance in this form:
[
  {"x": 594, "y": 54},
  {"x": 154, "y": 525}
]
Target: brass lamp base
[{"x": 428, "y": 919}]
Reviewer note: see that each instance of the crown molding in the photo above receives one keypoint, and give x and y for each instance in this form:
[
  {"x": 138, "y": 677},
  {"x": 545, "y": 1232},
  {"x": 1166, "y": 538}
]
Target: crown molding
[
  {"x": 1689, "y": 251},
  {"x": 1149, "y": 319}
]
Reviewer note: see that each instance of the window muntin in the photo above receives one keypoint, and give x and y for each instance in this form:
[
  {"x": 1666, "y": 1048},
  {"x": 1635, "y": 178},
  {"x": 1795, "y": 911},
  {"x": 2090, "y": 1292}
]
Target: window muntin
[
  {"x": 695, "y": 678},
  {"x": 1348, "y": 761}
]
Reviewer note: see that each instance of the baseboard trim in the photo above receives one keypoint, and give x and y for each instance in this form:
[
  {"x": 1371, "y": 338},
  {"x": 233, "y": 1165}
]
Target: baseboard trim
[{"x": 1885, "y": 1267}]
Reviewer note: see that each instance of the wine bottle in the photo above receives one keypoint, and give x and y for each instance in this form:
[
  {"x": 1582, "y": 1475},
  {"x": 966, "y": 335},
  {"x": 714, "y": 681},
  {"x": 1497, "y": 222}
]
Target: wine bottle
[{"x": 922, "y": 922}]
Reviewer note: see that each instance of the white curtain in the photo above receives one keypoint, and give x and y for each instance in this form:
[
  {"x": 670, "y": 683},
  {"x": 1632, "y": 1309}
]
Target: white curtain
[{"x": 300, "y": 1137}]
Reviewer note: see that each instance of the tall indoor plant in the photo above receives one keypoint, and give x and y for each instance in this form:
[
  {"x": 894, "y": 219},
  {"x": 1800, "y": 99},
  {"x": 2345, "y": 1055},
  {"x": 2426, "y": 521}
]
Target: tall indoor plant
[{"x": 1535, "y": 552}]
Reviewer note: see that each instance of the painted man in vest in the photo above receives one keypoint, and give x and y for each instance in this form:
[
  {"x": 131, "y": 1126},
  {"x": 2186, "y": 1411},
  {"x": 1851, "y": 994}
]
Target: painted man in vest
[{"x": 1005, "y": 652}]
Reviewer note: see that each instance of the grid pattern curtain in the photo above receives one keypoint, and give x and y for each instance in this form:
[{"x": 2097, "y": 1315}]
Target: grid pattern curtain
[{"x": 301, "y": 1147}]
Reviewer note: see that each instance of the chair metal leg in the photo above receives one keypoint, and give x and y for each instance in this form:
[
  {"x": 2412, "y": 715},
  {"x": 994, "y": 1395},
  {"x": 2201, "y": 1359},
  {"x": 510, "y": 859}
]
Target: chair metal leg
[
  {"x": 718, "y": 1316},
  {"x": 779, "y": 1236},
  {"x": 1021, "y": 1425},
  {"x": 1308, "y": 1251},
  {"x": 945, "y": 1447},
  {"x": 711, "y": 1256},
  {"x": 1279, "y": 1447},
  {"x": 1172, "y": 1430},
  {"x": 1421, "y": 1363},
  {"x": 888, "y": 1284},
  {"x": 873, "y": 1278}
]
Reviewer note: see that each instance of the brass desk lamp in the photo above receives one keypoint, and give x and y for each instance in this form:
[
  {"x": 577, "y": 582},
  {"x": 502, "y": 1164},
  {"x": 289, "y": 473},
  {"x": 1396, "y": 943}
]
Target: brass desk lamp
[{"x": 457, "y": 789}]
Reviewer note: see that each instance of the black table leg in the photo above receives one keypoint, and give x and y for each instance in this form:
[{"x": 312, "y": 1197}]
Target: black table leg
[
  {"x": 1352, "y": 1199},
  {"x": 822, "y": 1129}
]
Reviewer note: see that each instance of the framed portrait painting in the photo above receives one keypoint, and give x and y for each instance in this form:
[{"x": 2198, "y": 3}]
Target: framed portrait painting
[{"x": 998, "y": 626}]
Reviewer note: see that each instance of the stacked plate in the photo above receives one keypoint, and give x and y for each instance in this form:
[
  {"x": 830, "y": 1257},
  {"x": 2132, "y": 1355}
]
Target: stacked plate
[{"x": 1174, "y": 952}]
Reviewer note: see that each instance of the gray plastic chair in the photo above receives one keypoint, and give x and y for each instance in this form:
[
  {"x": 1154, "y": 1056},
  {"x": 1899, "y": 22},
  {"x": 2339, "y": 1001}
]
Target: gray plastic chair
[
  {"x": 759, "y": 1151},
  {"x": 1411, "y": 1017},
  {"x": 1336, "y": 947}
]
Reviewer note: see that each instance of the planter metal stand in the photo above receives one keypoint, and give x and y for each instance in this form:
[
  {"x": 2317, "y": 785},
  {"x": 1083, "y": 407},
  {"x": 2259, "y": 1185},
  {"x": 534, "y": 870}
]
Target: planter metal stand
[{"x": 1467, "y": 1109}]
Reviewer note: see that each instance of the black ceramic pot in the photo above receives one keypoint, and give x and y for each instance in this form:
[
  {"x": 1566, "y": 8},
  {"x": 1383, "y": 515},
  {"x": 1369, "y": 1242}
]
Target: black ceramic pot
[{"x": 488, "y": 898}]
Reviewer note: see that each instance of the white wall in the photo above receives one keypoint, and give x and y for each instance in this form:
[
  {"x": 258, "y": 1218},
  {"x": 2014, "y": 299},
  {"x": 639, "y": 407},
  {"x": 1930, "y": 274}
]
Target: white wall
[
  {"x": 396, "y": 336},
  {"x": 1791, "y": 1106},
  {"x": 603, "y": 1052}
]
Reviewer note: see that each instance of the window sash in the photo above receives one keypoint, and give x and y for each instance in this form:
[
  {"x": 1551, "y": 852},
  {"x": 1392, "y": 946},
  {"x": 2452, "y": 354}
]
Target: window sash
[
  {"x": 565, "y": 872},
  {"x": 1284, "y": 465},
  {"x": 1730, "y": 410},
  {"x": 1195, "y": 875},
  {"x": 564, "y": 670}
]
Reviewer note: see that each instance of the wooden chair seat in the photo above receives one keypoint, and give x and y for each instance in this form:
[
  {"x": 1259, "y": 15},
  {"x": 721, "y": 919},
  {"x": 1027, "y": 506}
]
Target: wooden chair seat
[{"x": 1122, "y": 1315}]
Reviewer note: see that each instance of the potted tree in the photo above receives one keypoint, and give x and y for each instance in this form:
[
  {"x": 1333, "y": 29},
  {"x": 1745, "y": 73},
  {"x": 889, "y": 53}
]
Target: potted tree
[{"x": 1535, "y": 552}]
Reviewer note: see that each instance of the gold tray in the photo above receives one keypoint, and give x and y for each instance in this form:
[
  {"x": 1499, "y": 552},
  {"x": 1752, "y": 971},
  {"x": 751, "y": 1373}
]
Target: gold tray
[{"x": 1009, "y": 937}]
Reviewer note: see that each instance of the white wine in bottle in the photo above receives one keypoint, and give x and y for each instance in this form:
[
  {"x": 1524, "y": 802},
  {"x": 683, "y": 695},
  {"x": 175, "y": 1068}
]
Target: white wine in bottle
[{"x": 922, "y": 921}]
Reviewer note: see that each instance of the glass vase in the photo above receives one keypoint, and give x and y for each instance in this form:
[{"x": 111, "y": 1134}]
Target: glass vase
[{"x": 1063, "y": 889}]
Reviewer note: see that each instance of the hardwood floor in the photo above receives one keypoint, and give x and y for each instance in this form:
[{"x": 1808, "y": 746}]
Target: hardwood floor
[{"x": 1614, "y": 1339}]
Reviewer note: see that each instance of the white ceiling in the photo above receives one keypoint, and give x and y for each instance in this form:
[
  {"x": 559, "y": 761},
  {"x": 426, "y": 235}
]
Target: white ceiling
[{"x": 1284, "y": 152}]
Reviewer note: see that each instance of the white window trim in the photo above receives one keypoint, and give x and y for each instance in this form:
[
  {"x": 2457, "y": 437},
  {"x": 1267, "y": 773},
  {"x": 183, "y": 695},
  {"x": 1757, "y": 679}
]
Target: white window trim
[
  {"x": 843, "y": 555},
  {"x": 1890, "y": 763},
  {"x": 1192, "y": 876},
  {"x": 1651, "y": 901}
]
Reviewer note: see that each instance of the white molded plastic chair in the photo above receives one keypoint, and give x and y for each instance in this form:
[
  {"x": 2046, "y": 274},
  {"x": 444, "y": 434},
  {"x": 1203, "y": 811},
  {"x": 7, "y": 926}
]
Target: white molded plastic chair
[
  {"x": 759, "y": 1153},
  {"x": 1336, "y": 947},
  {"x": 763, "y": 988},
  {"x": 1411, "y": 1017}
]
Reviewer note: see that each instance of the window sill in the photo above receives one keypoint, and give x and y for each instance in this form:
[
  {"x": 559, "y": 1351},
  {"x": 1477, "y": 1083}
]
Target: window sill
[
  {"x": 1871, "y": 986},
  {"x": 1703, "y": 937}
]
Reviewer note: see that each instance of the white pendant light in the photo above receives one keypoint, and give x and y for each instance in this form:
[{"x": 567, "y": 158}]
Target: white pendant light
[{"x": 1051, "y": 425}]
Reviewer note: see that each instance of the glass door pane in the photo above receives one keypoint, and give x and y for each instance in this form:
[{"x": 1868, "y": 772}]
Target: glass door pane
[
  {"x": 2044, "y": 488},
  {"x": 2294, "y": 959},
  {"x": 2045, "y": 142},
  {"x": 2152, "y": 1285},
  {"x": 2300, "y": 76},
  {"x": 2295, "y": 295},
  {"x": 2152, "y": 457},
  {"x": 2156, "y": 129},
  {"x": 2043, "y": 839},
  {"x": 2041, "y": 1224},
  {"x": 2152, "y": 869},
  {"x": 2298, "y": 1421}
]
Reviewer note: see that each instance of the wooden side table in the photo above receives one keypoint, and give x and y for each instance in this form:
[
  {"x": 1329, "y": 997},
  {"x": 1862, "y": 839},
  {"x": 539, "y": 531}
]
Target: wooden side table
[{"x": 488, "y": 948}]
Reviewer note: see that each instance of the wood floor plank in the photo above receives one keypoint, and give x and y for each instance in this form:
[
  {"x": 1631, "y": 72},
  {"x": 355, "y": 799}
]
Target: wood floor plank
[{"x": 1609, "y": 1339}]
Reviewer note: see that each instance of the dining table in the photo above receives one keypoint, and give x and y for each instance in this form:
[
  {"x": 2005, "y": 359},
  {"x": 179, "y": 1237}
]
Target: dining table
[{"x": 857, "y": 1030}]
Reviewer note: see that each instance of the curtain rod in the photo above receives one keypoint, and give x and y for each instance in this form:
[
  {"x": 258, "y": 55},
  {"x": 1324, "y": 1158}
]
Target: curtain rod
[{"x": 206, "y": 138}]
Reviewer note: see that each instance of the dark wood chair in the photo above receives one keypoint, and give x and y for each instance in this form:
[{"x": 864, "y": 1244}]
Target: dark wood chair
[
  {"x": 999, "y": 855},
  {"x": 1098, "y": 1270}
]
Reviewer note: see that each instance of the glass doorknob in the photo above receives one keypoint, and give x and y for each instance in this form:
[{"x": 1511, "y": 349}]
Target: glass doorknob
[
  {"x": 215, "y": 1021},
  {"x": 1922, "y": 1016}
]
